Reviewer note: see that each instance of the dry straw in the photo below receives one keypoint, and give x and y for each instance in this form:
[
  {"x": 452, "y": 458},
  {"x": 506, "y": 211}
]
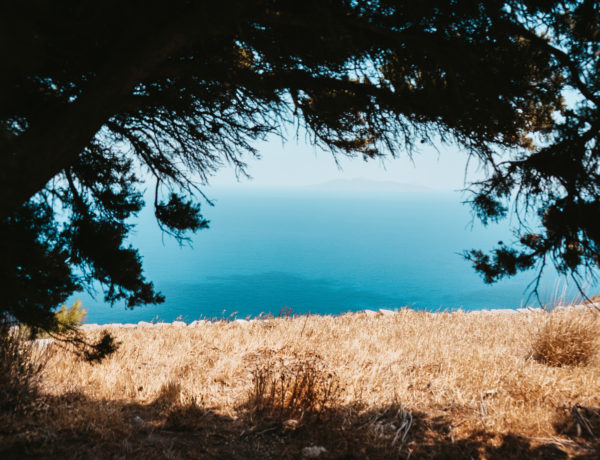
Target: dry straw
[
  {"x": 411, "y": 384},
  {"x": 292, "y": 385},
  {"x": 565, "y": 340}
]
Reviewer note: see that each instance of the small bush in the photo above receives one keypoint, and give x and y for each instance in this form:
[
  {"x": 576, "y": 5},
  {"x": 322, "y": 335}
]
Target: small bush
[
  {"x": 70, "y": 318},
  {"x": 293, "y": 386},
  {"x": 66, "y": 320},
  {"x": 20, "y": 369},
  {"x": 565, "y": 341}
]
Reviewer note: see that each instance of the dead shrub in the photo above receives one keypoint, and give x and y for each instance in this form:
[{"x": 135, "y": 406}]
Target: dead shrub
[
  {"x": 293, "y": 386},
  {"x": 20, "y": 369},
  {"x": 566, "y": 341}
]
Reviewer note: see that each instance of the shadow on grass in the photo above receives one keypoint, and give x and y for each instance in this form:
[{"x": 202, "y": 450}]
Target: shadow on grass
[{"x": 74, "y": 426}]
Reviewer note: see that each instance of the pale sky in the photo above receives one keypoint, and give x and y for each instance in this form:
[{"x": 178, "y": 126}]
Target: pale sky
[{"x": 298, "y": 164}]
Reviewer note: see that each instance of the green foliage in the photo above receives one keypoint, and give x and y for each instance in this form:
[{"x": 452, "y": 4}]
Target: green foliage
[
  {"x": 64, "y": 322},
  {"x": 70, "y": 318},
  {"x": 34, "y": 267},
  {"x": 558, "y": 175},
  {"x": 176, "y": 216}
]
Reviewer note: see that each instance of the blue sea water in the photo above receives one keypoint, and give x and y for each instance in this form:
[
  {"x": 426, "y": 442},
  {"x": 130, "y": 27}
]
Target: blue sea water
[{"x": 322, "y": 252}]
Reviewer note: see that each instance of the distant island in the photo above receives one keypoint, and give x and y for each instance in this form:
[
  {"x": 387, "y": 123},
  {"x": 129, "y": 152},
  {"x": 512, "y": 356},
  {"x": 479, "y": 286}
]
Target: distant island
[{"x": 367, "y": 184}]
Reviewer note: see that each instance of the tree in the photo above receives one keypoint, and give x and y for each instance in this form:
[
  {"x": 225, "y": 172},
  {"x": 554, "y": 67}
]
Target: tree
[
  {"x": 95, "y": 97},
  {"x": 557, "y": 176}
]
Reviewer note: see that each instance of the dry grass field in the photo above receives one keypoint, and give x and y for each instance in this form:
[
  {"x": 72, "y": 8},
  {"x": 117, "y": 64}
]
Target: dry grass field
[{"x": 407, "y": 385}]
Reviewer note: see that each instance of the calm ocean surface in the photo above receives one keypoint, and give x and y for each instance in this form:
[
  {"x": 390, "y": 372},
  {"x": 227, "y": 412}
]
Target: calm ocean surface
[{"x": 319, "y": 252}]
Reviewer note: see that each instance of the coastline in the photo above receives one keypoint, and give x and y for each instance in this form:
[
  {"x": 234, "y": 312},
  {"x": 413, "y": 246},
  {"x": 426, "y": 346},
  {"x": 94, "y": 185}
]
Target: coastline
[{"x": 382, "y": 312}]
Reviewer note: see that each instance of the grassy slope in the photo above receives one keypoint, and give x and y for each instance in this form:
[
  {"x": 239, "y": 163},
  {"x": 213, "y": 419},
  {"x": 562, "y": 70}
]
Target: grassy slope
[{"x": 411, "y": 384}]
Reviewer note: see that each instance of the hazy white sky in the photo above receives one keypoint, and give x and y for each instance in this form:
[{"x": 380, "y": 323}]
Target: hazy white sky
[{"x": 298, "y": 164}]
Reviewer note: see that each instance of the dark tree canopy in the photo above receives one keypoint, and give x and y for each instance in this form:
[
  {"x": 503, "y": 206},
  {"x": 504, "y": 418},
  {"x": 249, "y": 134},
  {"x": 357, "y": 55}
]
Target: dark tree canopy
[{"x": 97, "y": 96}]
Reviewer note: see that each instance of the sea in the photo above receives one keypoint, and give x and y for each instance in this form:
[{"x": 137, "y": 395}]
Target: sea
[{"x": 280, "y": 251}]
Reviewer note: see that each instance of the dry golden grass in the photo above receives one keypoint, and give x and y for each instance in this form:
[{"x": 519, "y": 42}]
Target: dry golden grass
[
  {"x": 292, "y": 386},
  {"x": 565, "y": 341},
  {"x": 411, "y": 384},
  {"x": 20, "y": 368}
]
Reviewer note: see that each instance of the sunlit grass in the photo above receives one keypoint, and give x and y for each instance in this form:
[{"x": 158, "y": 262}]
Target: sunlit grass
[{"x": 453, "y": 376}]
